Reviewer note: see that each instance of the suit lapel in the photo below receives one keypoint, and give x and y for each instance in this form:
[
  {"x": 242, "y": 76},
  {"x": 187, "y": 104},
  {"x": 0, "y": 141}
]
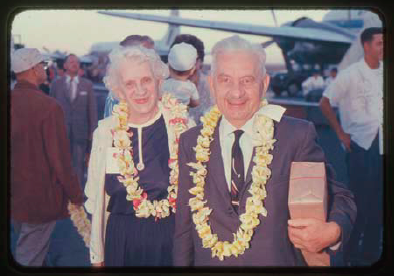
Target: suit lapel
[
  {"x": 249, "y": 177},
  {"x": 216, "y": 168},
  {"x": 216, "y": 173},
  {"x": 65, "y": 90},
  {"x": 249, "y": 172}
]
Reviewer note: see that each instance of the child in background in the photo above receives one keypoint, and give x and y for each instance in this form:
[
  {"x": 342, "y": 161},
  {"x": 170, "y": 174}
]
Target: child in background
[{"x": 181, "y": 61}]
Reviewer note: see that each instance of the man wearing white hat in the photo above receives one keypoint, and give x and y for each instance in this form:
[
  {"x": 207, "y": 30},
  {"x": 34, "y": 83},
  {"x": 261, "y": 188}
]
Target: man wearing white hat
[
  {"x": 182, "y": 59},
  {"x": 42, "y": 178}
]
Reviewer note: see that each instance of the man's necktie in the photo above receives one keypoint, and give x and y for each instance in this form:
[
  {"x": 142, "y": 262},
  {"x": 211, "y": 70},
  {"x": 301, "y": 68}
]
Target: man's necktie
[
  {"x": 71, "y": 90},
  {"x": 237, "y": 171}
]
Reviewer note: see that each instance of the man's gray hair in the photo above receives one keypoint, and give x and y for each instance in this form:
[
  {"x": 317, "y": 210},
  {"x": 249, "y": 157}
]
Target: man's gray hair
[
  {"x": 236, "y": 43},
  {"x": 132, "y": 53}
]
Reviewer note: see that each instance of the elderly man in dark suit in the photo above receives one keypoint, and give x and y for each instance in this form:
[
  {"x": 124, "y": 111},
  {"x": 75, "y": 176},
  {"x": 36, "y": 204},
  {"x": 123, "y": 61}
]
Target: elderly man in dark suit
[
  {"x": 75, "y": 95},
  {"x": 232, "y": 205}
]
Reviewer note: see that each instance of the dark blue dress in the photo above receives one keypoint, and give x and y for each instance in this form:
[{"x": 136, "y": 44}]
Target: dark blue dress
[{"x": 132, "y": 241}]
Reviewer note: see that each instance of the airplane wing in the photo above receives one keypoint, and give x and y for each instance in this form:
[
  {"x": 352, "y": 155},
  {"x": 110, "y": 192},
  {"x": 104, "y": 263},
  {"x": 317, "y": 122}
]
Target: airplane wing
[{"x": 295, "y": 33}]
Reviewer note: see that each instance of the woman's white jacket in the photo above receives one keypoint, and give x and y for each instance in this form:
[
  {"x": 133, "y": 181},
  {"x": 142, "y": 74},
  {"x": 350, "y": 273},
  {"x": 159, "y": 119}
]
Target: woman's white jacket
[{"x": 97, "y": 201}]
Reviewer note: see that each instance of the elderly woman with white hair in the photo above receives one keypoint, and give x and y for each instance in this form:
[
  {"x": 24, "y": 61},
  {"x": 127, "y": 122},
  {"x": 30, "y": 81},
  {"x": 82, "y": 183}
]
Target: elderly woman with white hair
[{"x": 133, "y": 169}]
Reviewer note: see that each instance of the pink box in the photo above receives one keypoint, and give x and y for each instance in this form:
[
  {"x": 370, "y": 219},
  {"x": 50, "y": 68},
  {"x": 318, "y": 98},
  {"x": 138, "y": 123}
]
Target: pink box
[{"x": 308, "y": 199}]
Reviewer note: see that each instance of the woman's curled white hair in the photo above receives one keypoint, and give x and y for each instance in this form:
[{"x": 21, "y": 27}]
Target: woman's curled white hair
[{"x": 132, "y": 53}]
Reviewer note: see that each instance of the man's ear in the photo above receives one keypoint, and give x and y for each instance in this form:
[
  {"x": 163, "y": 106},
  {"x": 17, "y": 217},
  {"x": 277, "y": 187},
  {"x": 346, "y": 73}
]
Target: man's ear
[
  {"x": 265, "y": 81},
  {"x": 211, "y": 87}
]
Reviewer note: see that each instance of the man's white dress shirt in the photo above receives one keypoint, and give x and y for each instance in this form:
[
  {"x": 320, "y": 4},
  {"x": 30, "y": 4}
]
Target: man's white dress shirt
[
  {"x": 72, "y": 85},
  {"x": 246, "y": 140},
  {"x": 358, "y": 93},
  {"x": 312, "y": 83}
]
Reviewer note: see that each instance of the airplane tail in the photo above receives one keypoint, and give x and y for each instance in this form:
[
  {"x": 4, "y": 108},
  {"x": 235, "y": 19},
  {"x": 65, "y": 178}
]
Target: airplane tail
[{"x": 173, "y": 31}]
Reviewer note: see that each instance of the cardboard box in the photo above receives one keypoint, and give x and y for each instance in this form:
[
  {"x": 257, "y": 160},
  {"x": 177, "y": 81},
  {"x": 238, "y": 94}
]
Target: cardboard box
[{"x": 308, "y": 199}]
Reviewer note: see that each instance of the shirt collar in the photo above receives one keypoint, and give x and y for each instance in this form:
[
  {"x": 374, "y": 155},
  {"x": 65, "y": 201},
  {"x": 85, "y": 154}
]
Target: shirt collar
[
  {"x": 275, "y": 112},
  {"x": 365, "y": 67},
  {"x": 25, "y": 85},
  {"x": 75, "y": 79}
]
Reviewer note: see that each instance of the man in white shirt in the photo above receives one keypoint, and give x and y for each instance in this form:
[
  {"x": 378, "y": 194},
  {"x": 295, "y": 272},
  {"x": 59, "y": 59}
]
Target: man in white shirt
[
  {"x": 331, "y": 78},
  {"x": 358, "y": 93},
  {"x": 223, "y": 218},
  {"x": 312, "y": 83}
]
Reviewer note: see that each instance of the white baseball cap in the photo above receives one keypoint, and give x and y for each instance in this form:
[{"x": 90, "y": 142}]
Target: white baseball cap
[
  {"x": 25, "y": 58},
  {"x": 182, "y": 56}
]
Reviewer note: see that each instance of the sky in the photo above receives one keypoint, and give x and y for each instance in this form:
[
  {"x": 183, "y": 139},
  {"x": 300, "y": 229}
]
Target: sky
[{"x": 74, "y": 31}]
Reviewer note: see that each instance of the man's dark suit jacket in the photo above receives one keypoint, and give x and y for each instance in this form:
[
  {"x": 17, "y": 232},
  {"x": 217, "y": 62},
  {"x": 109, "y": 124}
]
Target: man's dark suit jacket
[
  {"x": 81, "y": 114},
  {"x": 42, "y": 176},
  {"x": 270, "y": 244}
]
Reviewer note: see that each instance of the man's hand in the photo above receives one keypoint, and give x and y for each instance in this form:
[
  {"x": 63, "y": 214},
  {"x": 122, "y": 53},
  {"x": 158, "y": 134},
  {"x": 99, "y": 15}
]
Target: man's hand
[
  {"x": 331, "y": 116},
  {"x": 312, "y": 234},
  {"x": 76, "y": 205},
  {"x": 346, "y": 140},
  {"x": 101, "y": 264}
]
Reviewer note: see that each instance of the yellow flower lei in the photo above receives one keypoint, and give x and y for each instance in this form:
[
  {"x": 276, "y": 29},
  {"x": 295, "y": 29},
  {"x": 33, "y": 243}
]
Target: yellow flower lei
[
  {"x": 80, "y": 221},
  {"x": 121, "y": 137},
  {"x": 160, "y": 209},
  {"x": 264, "y": 130}
]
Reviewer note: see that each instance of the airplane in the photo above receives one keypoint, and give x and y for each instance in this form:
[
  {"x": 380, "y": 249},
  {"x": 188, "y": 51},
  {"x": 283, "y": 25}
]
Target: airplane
[
  {"x": 161, "y": 46},
  {"x": 305, "y": 44},
  {"x": 99, "y": 50}
]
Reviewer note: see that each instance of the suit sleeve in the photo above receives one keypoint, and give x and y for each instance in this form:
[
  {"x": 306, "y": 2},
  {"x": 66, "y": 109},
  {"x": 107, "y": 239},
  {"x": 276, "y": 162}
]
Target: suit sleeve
[
  {"x": 342, "y": 207},
  {"x": 58, "y": 152},
  {"x": 92, "y": 111},
  {"x": 183, "y": 247}
]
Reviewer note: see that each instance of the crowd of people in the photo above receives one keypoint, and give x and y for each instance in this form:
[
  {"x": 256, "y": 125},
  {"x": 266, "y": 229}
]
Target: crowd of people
[{"x": 187, "y": 169}]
